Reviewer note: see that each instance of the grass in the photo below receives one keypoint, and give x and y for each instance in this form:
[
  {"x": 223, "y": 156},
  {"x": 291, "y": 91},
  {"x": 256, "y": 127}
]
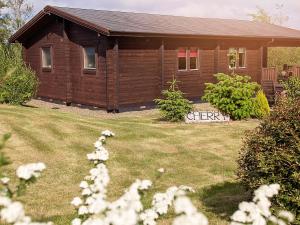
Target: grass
[{"x": 200, "y": 155}]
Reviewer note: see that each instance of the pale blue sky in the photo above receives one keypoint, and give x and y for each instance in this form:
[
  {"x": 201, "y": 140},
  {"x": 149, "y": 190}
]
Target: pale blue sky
[{"x": 235, "y": 9}]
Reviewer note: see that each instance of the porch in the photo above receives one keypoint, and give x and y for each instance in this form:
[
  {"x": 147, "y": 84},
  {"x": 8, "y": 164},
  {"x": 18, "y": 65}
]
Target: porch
[{"x": 271, "y": 77}]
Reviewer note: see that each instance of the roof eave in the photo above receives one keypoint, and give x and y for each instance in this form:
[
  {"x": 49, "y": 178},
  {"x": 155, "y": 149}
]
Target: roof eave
[
  {"x": 171, "y": 35},
  {"x": 48, "y": 10}
]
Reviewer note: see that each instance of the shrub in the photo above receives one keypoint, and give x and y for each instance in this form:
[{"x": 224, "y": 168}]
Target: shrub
[
  {"x": 232, "y": 95},
  {"x": 18, "y": 83},
  {"x": 292, "y": 87},
  {"x": 174, "y": 107},
  {"x": 271, "y": 154},
  {"x": 3, "y": 158},
  {"x": 261, "y": 105}
]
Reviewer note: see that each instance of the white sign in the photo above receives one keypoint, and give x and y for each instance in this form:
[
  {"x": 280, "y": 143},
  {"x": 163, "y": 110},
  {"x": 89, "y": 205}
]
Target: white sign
[{"x": 206, "y": 117}]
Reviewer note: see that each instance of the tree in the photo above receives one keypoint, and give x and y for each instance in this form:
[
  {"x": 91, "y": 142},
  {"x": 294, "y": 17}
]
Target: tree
[
  {"x": 265, "y": 17},
  {"x": 261, "y": 15},
  {"x": 4, "y": 23},
  {"x": 20, "y": 12},
  {"x": 277, "y": 56}
]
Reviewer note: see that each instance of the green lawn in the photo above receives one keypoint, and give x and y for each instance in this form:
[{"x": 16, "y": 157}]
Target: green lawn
[{"x": 200, "y": 155}]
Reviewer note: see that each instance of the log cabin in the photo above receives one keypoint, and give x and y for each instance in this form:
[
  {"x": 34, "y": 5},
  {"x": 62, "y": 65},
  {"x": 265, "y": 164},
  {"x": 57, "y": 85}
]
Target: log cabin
[{"x": 112, "y": 59}]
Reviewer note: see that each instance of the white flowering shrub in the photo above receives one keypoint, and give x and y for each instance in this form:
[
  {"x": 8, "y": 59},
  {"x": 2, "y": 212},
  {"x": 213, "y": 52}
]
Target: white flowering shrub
[
  {"x": 93, "y": 208},
  {"x": 258, "y": 211},
  {"x": 12, "y": 212}
]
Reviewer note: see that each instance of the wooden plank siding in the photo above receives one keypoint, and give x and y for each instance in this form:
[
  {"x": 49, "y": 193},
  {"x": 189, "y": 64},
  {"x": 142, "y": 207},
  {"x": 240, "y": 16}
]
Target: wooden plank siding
[
  {"x": 130, "y": 70},
  {"x": 51, "y": 84}
]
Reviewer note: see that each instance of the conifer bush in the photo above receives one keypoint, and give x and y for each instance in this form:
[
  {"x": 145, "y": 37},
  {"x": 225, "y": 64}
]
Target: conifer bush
[
  {"x": 233, "y": 95},
  {"x": 173, "y": 107},
  {"x": 271, "y": 154},
  {"x": 261, "y": 105}
]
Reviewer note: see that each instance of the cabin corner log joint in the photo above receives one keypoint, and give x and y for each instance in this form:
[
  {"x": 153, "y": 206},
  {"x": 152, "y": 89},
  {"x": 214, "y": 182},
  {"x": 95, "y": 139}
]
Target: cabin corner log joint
[{"x": 116, "y": 59}]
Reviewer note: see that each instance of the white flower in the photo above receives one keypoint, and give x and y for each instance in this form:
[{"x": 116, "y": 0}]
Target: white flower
[
  {"x": 76, "y": 202},
  {"x": 195, "y": 219},
  {"x": 184, "y": 205},
  {"x": 4, "y": 201},
  {"x": 97, "y": 206},
  {"x": 13, "y": 212},
  {"x": 239, "y": 216},
  {"x": 100, "y": 154},
  {"x": 102, "y": 139},
  {"x": 83, "y": 210},
  {"x": 76, "y": 221},
  {"x": 83, "y": 184},
  {"x": 107, "y": 133},
  {"x": 286, "y": 215},
  {"x": 186, "y": 188},
  {"x": 28, "y": 171},
  {"x": 98, "y": 144},
  {"x": 161, "y": 170},
  {"x": 94, "y": 221},
  {"x": 145, "y": 184},
  {"x": 5, "y": 180},
  {"x": 148, "y": 217},
  {"x": 86, "y": 192}
]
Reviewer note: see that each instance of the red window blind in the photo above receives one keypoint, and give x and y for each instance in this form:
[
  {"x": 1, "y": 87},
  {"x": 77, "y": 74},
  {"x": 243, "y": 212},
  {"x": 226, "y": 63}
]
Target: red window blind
[
  {"x": 181, "y": 53},
  {"x": 193, "y": 53}
]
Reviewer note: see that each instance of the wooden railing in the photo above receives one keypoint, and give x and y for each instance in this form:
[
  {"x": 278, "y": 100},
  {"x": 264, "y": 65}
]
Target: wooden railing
[
  {"x": 296, "y": 71},
  {"x": 269, "y": 74}
]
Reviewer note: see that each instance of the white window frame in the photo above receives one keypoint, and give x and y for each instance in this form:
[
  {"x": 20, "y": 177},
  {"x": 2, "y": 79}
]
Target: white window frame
[
  {"x": 43, "y": 59},
  {"x": 245, "y": 63},
  {"x": 186, "y": 59},
  {"x": 197, "y": 60},
  {"x": 237, "y": 66},
  {"x": 85, "y": 63}
]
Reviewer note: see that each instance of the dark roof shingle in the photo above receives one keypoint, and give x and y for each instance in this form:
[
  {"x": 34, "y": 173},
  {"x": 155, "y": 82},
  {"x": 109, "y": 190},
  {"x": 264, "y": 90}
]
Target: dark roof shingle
[{"x": 128, "y": 22}]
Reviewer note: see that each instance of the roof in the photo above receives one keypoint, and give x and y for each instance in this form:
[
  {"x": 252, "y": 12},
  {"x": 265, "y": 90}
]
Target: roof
[{"x": 112, "y": 23}]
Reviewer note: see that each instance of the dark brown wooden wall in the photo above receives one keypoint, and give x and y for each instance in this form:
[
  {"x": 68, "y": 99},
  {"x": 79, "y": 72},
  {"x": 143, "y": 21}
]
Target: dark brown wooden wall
[
  {"x": 52, "y": 84},
  {"x": 130, "y": 71},
  {"x": 85, "y": 88},
  {"x": 140, "y": 70}
]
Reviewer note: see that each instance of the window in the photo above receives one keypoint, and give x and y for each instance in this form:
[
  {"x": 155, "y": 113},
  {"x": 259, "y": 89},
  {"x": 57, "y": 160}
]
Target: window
[
  {"x": 232, "y": 58},
  {"x": 242, "y": 57},
  {"x": 89, "y": 58},
  {"x": 237, "y": 58},
  {"x": 46, "y": 58},
  {"x": 194, "y": 59},
  {"x": 182, "y": 59}
]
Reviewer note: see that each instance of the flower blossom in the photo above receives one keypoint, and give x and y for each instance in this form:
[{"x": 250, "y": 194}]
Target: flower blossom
[
  {"x": 188, "y": 213},
  {"x": 26, "y": 172},
  {"x": 5, "y": 180},
  {"x": 107, "y": 133},
  {"x": 13, "y": 212}
]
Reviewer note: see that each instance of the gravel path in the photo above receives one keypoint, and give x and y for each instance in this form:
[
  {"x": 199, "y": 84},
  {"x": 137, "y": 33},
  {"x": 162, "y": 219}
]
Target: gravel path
[
  {"x": 89, "y": 111},
  {"x": 96, "y": 112}
]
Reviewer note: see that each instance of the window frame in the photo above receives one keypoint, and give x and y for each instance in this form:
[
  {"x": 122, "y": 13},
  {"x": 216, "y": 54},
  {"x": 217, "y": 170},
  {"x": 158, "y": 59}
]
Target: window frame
[
  {"x": 87, "y": 70},
  {"x": 44, "y": 68},
  {"x": 186, "y": 59},
  {"x": 197, "y": 59},
  {"x": 237, "y": 66},
  {"x": 245, "y": 60}
]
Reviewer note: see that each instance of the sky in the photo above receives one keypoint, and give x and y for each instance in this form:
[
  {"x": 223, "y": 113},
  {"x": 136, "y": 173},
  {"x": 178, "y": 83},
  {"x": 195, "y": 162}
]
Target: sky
[{"x": 230, "y": 9}]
